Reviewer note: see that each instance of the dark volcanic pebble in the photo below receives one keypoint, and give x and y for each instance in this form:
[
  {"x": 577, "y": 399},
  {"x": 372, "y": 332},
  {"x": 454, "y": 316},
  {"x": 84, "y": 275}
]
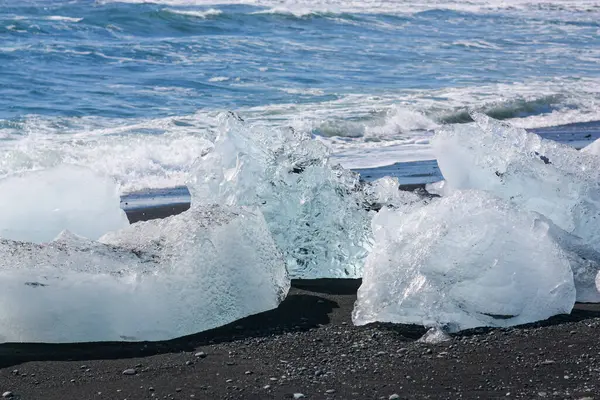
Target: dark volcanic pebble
[{"x": 309, "y": 346}]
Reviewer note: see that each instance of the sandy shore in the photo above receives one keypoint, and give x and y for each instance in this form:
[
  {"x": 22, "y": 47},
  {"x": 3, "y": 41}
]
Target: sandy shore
[{"x": 309, "y": 346}]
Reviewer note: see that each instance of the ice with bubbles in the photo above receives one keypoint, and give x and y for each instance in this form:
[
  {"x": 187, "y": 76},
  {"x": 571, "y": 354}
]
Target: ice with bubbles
[
  {"x": 466, "y": 260},
  {"x": 38, "y": 205},
  {"x": 315, "y": 210},
  {"x": 539, "y": 175},
  {"x": 154, "y": 280}
]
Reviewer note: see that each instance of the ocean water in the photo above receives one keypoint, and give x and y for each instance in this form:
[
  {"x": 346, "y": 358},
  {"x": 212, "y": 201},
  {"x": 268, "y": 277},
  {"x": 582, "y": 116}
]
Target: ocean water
[{"x": 133, "y": 88}]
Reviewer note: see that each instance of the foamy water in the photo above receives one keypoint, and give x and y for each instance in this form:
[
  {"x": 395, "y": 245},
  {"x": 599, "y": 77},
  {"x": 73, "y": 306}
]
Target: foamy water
[{"x": 133, "y": 88}]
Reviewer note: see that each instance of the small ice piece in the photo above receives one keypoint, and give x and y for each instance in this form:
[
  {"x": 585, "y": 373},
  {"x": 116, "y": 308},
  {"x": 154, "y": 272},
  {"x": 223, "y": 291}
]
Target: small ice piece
[
  {"x": 434, "y": 335},
  {"x": 540, "y": 175},
  {"x": 593, "y": 148},
  {"x": 36, "y": 206},
  {"x": 385, "y": 192},
  {"x": 154, "y": 280},
  {"x": 317, "y": 212},
  {"x": 439, "y": 188},
  {"x": 463, "y": 261}
]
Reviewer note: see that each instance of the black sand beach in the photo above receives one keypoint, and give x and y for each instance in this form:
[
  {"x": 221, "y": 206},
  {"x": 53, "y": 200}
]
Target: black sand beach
[{"x": 309, "y": 347}]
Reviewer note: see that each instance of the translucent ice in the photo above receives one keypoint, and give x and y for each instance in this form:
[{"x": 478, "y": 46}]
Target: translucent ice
[
  {"x": 151, "y": 281},
  {"x": 434, "y": 336},
  {"x": 439, "y": 188},
  {"x": 315, "y": 211},
  {"x": 385, "y": 192},
  {"x": 593, "y": 148},
  {"x": 465, "y": 260},
  {"x": 540, "y": 175},
  {"x": 36, "y": 206}
]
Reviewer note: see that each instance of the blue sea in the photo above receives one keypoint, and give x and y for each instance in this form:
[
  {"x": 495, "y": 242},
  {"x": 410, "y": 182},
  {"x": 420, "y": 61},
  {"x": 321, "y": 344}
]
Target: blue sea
[{"x": 133, "y": 88}]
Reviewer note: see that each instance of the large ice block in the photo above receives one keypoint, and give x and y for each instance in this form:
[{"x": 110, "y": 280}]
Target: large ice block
[
  {"x": 36, "y": 206},
  {"x": 540, "y": 175},
  {"x": 316, "y": 211},
  {"x": 465, "y": 260},
  {"x": 151, "y": 281}
]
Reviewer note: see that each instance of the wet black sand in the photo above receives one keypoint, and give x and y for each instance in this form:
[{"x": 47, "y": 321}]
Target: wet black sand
[{"x": 309, "y": 346}]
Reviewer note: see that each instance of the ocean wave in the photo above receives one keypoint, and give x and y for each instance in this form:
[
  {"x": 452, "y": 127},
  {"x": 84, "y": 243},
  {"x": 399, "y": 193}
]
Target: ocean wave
[
  {"x": 204, "y": 14},
  {"x": 219, "y": 79},
  {"x": 510, "y": 109},
  {"x": 63, "y": 19},
  {"x": 476, "y": 44},
  {"x": 303, "y": 8}
]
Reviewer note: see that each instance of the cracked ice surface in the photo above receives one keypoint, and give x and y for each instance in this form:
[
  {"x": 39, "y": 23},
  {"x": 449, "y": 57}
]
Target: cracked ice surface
[
  {"x": 463, "y": 261},
  {"x": 315, "y": 210},
  {"x": 155, "y": 280},
  {"x": 539, "y": 175}
]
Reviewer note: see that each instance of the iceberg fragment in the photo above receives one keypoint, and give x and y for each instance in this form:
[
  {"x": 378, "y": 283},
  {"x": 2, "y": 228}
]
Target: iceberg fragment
[
  {"x": 540, "y": 175},
  {"x": 155, "y": 280},
  {"x": 385, "y": 192},
  {"x": 36, "y": 206},
  {"x": 316, "y": 211},
  {"x": 463, "y": 261},
  {"x": 593, "y": 148}
]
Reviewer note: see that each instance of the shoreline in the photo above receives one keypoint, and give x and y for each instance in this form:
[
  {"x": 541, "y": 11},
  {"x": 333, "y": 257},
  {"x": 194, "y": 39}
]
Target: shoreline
[
  {"x": 308, "y": 345},
  {"x": 411, "y": 174}
]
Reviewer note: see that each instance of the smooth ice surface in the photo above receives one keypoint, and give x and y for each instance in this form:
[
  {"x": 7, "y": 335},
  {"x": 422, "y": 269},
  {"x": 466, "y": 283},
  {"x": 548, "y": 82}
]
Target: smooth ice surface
[
  {"x": 36, "y": 206},
  {"x": 439, "y": 188},
  {"x": 462, "y": 261},
  {"x": 593, "y": 148},
  {"x": 151, "y": 281},
  {"x": 316, "y": 211},
  {"x": 540, "y": 175}
]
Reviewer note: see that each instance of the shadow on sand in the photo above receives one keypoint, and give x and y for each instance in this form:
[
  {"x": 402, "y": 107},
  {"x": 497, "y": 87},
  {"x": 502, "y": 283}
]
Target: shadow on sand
[
  {"x": 306, "y": 307},
  {"x": 298, "y": 312}
]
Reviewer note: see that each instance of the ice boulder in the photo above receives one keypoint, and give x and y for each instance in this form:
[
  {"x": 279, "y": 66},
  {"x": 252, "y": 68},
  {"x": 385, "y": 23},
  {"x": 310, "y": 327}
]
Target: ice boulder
[
  {"x": 154, "y": 280},
  {"x": 466, "y": 260},
  {"x": 540, "y": 175},
  {"x": 315, "y": 210},
  {"x": 36, "y": 206}
]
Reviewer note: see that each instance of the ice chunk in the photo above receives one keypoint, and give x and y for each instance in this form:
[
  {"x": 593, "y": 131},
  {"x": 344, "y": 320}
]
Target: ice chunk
[
  {"x": 385, "y": 191},
  {"x": 439, "y": 188},
  {"x": 315, "y": 211},
  {"x": 593, "y": 148},
  {"x": 540, "y": 175},
  {"x": 37, "y": 206},
  {"x": 151, "y": 281},
  {"x": 463, "y": 261},
  {"x": 434, "y": 336}
]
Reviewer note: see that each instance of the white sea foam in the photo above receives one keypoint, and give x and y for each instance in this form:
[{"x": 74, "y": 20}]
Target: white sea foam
[
  {"x": 361, "y": 130},
  {"x": 212, "y": 12},
  {"x": 63, "y": 19},
  {"x": 543, "y": 8},
  {"x": 218, "y": 79}
]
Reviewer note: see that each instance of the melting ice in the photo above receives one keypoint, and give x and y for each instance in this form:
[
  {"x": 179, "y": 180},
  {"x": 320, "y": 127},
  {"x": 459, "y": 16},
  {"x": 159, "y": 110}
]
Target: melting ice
[
  {"x": 513, "y": 240},
  {"x": 154, "y": 280},
  {"x": 37, "y": 206},
  {"x": 466, "y": 260},
  {"x": 316, "y": 211}
]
